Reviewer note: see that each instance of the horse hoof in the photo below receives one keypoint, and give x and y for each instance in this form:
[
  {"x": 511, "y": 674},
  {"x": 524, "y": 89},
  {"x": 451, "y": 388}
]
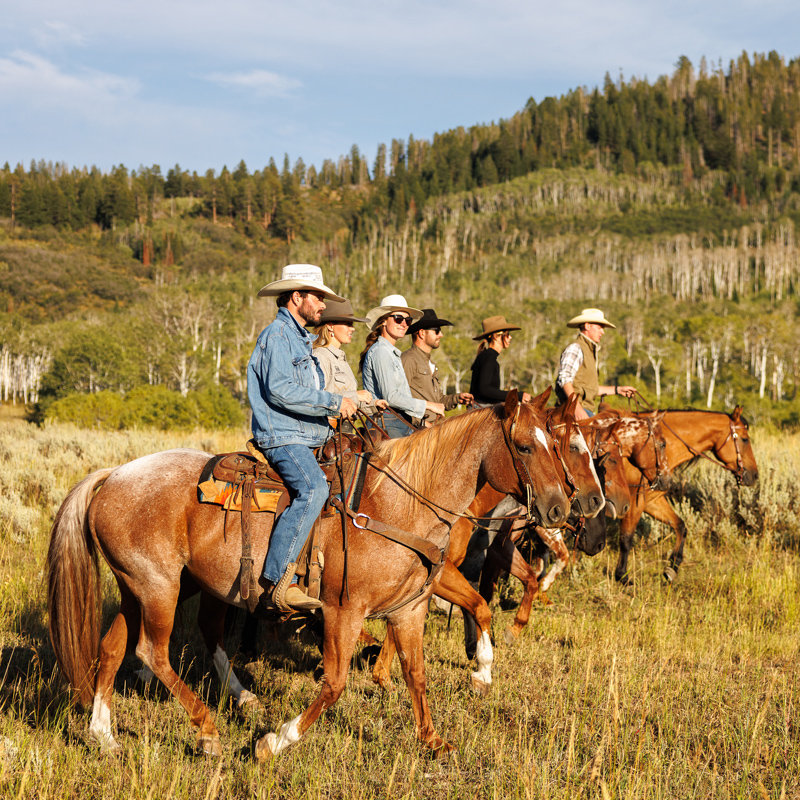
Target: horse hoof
[
  {"x": 510, "y": 635},
  {"x": 210, "y": 746},
  {"x": 544, "y": 599},
  {"x": 384, "y": 682},
  {"x": 669, "y": 575},
  {"x": 441, "y": 748},
  {"x": 480, "y": 687},
  {"x": 266, "y": 746}
]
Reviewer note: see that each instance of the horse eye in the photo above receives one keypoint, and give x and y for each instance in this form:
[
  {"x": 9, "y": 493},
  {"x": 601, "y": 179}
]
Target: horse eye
[
  {"x": 523, "y": 448},
  {"x": 574, "y": 449}
]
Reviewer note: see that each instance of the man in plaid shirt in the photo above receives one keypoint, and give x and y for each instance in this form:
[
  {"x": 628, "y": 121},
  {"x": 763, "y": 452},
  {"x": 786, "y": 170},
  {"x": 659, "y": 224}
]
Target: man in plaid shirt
[{"x": 578, "y": 369}]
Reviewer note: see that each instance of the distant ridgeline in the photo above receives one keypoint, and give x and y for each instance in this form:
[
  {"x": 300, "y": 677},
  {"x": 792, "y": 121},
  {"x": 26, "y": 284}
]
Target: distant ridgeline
[{"x": 674, "y": 206}]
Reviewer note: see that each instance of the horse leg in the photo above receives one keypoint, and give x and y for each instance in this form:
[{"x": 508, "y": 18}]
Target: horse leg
[
  {"x": 158, "y": 617},
  {"x": 408, "y": 637},
  {"x": 626, "y": 530},
  {"x": 342, "y": 630},
  {"x": 554, "y": 540},
  {"x": 660, "y": 509},
  {"x": 381, "y": 670},
  {"x": 520, "y": 569},
  {"x": 211, "y": 621},
  {"x": 120, "y": 638},
  {"x": 452, "y": 586}
]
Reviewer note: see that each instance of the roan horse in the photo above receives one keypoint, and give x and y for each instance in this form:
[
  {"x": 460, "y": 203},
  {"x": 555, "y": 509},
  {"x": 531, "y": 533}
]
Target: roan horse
[
  {"x": 145, "y": 521},
  {"x": 689, "y": 434}
]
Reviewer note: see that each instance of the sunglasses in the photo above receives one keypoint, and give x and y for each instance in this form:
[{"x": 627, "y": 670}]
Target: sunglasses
[{"x": 400, "y": 319}]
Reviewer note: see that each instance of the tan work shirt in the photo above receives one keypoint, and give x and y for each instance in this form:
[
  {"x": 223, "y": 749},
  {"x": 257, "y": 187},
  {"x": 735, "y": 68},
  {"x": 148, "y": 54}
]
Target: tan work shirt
[
  {"x": 423, "y": 380},
  {"x": 339, "y": 377}
]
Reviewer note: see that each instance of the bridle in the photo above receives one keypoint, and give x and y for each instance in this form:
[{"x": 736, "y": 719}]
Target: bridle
[
  {"x": 651, "y": 435},
  {"x": 569, "y": 481},
  {"x": 739, "y": 471}
]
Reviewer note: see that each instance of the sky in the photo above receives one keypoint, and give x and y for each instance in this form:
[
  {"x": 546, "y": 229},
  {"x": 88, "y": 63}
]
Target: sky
[{"x": 208, "y": 84}]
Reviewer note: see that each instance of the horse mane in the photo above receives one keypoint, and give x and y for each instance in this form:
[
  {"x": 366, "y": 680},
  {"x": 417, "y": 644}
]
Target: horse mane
[{"x": 424, "y": 455}]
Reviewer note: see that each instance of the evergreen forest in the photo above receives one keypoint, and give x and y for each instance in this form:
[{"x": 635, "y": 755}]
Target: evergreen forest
[{"x": 128, "y": 297}]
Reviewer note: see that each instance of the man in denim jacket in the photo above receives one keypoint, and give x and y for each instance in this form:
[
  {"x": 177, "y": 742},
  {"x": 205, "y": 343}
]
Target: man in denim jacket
[{"x": 290, "y": 417}]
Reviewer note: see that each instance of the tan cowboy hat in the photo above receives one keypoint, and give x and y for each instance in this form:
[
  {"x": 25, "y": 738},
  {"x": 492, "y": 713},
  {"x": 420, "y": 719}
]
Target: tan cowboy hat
[
  {"x": 338, "y": 311},
  {"x": 390, "y": 303},
  {"x": 593, "y": 315},
  {"x": 299, "y": 277},
  {"x": 495, "y": 325}
]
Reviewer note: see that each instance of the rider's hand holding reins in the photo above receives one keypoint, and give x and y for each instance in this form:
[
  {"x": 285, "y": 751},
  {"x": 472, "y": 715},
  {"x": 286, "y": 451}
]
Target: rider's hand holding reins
[{"x": 348, "y": 408}]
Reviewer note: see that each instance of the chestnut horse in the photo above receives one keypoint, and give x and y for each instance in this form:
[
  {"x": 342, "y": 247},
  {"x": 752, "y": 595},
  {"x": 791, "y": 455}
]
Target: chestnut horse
[
  {"x": 145, "y": 521},
  {"x": 689, "y": 435},
  {"x": 619, "y": 440},
  {"x": 570, "y": 453}
]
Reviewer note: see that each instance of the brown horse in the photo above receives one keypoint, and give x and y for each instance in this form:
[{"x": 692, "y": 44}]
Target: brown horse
[
  {"x": 689, "y": 434},
  {"x": 573, "y": 457},
  {"x": 628, "y": 438},
  {"x": 145, "y": 521}
]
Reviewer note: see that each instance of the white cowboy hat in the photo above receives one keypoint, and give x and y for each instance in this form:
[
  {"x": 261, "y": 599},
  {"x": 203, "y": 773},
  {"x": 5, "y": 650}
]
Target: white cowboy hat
[
  {"x": 390, "y": 303},
  {"x": 299, "y": 277},
  {"x": 593, "y": 315}
]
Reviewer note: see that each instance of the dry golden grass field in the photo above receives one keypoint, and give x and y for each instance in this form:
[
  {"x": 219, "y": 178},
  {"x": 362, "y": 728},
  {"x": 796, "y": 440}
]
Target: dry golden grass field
[{"x": 645, "y": 691}]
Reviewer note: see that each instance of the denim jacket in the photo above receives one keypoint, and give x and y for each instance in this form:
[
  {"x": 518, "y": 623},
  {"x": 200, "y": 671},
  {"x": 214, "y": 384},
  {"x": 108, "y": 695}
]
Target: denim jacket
[
  {"x": 384, "y": 376},
  {"x": 284, "y": 388}
]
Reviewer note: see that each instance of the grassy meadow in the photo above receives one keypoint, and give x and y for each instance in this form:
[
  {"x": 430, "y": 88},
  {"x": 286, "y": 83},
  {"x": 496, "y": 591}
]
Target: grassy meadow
[{"x": 637, "y": 692}]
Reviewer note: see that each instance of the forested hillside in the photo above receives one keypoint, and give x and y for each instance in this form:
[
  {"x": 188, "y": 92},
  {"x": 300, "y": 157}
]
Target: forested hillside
[{"x": 672, "y": 205}]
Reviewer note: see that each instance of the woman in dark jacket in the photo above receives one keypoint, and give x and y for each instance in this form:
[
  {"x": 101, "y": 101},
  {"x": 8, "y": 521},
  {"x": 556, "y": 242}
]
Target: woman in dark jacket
[{"x": 485, "y": 384}]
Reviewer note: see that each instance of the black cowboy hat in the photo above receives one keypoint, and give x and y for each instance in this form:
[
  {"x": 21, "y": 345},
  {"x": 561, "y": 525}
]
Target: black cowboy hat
[{"x": 427, "y": 321}]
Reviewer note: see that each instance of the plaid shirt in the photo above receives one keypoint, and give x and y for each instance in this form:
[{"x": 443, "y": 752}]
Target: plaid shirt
[{"x": 571, "y": 359}]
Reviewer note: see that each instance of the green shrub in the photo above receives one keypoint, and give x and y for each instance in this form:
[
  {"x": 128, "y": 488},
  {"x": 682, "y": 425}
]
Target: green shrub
[{"x": 149, "y": 407}]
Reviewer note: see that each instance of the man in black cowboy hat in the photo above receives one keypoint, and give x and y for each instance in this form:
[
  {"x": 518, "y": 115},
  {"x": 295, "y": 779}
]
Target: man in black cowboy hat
[{"x": 421, "y": 372}]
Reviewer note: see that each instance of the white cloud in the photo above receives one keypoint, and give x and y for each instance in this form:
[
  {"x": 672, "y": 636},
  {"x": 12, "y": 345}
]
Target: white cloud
[
  {"x": 33, "y": 80},
  {"x": 259, "y": 81},
  {"x": 55, "y": 33}
]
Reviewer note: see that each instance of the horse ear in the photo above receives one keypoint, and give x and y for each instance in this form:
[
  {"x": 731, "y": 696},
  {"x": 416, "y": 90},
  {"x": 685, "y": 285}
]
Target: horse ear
[
  {"x": 737, "y": 412},
  {"x": 512, "y": 401},
  {"x": 540, "y": 401},
  {"x": 659, "y": 415}
]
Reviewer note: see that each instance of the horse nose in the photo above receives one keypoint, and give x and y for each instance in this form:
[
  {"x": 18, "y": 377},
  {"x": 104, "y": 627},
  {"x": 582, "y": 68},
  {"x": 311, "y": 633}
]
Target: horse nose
[
  {"x": 556, "y": 515},
  {"x": 626, "y": 508}
]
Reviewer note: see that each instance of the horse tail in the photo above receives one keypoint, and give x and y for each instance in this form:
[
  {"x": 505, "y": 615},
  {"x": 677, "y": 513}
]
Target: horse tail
[{"x": 73, "y": 588}]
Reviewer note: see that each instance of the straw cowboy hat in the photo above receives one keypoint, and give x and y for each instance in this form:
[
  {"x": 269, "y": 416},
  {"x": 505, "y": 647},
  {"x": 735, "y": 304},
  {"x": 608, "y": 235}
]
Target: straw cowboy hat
[
  {"x": 298, "y": 278},
  {"x": 338, "y": 311},
  {"x": 593, "y": 315},
  {"x": 495, "y": 325},
  {"x": 390, "y": 303},
  {"x": 427, "y": 321}
]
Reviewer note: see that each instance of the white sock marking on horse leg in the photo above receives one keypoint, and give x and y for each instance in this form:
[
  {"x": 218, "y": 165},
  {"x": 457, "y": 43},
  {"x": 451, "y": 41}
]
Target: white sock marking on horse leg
[
  {"x": 228, "y": 679},
  {"x": 484, "y": 655},
  {"x": 100, "y": 726},
  {"x": 288, "y": 735}
]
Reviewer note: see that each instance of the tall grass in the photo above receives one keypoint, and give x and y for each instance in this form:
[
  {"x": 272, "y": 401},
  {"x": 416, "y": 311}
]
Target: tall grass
[{"x": 640, "y": 692}]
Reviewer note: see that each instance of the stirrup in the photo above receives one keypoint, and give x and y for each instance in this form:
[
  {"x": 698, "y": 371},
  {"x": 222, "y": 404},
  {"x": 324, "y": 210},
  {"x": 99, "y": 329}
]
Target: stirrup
[{"x": 279, "y": 593}]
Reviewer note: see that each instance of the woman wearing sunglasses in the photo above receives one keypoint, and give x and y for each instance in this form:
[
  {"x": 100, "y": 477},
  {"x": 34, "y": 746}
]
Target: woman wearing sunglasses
[
  {"x": 485, "y": 385},
  {"x": 382, "y": 369}
]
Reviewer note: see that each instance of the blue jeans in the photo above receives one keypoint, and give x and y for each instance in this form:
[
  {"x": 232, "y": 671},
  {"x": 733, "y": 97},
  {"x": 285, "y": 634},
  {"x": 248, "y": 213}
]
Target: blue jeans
[
  {"x": 308, "y": 489},
  {"x": 395, "y": 427}
]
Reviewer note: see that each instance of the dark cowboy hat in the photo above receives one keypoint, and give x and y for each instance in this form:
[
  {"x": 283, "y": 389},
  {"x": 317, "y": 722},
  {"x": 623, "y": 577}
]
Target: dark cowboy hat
[
  {"x": 337, "y": 311},
  {"x": 427, "y": 321}
]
